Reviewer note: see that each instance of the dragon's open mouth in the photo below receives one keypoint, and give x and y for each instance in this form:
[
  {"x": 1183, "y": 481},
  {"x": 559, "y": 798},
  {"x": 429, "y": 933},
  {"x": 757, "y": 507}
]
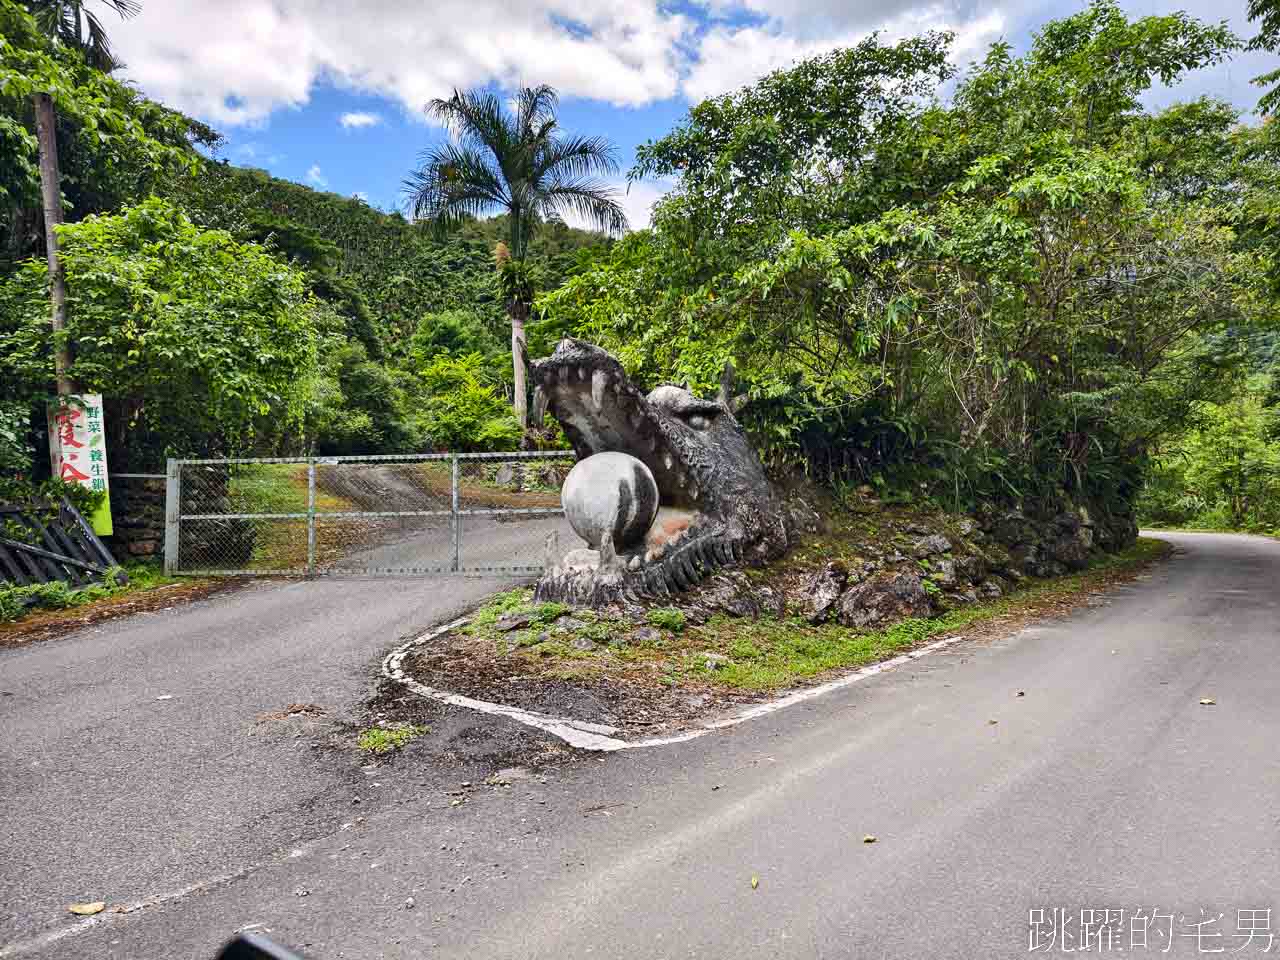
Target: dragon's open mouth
[{"x": 716, "y": 502}]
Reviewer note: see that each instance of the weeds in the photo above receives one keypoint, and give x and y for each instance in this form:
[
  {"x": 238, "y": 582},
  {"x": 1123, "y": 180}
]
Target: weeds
[
  {"x": 666, "y": 618},
  {"x": 17, "y": 601},
  {"x": 383, "y": 740}
]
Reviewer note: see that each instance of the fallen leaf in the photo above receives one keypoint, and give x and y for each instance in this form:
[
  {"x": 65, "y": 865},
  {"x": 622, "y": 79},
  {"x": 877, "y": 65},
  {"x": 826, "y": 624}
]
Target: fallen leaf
[
  {"x": 1022, "y": 693},
  {"x": 755, "y": 882},
  {"x": 1207, "y": 701},
  {"x": 167, "y": 696},
  {"x": 869, "y": 838},
  {"x": 87, "y": 909},
  {"x": 993, "y": 721}
]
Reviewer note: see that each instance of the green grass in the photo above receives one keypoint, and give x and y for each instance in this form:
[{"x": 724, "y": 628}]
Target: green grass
[
  {"x": 17, "y": 601},
  {"x": 516, "y": 603},
  {"x": 765, "y": 654},
  {"x": 768, "y": 654},
  {"x": 383, "y": 740},
  {"x": 666, "y": 618}
]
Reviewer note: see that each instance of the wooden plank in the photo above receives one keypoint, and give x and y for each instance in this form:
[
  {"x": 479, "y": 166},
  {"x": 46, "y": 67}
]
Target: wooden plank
[
  {"x": 65, "y": 542},
  {"x": 53, "y": 570},
  {"x": 104, "y": 555},
  {"x": 25, "y": 561},
  {"x": 13, "y": 571},
  {"x": 26, "y": 551},
  {"x": 77, "y": 578}
]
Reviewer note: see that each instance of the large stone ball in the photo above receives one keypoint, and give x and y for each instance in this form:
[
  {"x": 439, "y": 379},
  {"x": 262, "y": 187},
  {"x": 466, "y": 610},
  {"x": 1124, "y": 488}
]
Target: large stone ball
[{"x": 610, "y": 493}]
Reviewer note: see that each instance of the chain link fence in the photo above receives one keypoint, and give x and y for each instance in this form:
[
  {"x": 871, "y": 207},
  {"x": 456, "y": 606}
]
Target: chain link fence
[{"x": 417, "y": 515}]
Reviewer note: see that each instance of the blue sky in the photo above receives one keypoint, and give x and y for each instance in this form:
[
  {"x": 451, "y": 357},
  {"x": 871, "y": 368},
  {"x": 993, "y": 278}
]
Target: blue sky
[{"x": 329, "y": 92}]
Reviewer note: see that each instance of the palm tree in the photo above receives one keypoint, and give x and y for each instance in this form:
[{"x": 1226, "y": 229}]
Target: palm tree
[
  {"x": 515, "y": 163},
  {"x": 75, "y": 24},
  {"x": 65, "y": 22}
]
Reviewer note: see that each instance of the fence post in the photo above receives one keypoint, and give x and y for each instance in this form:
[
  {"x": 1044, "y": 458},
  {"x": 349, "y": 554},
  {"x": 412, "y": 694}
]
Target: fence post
[
  {"x": 172, "y": 513},
  {"x": 311, "y": 517},
  {"x": 455, "y": 518}
]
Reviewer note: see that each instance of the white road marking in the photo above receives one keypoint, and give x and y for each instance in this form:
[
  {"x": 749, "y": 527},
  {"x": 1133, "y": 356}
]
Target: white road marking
[{"x": 596, "y": 736}]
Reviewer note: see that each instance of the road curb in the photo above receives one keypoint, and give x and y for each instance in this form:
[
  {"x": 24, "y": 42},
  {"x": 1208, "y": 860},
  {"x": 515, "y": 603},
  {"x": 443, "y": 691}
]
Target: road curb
[{"x": 602, "y": 738}]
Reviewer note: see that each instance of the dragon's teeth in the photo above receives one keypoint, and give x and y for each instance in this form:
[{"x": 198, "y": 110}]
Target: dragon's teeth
[
  {"x": 599, "y": 380},
  {"x": 667, "y": 461}
]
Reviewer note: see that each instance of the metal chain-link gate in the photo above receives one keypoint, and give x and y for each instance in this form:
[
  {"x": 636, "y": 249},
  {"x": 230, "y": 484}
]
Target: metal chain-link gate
[{"x": 467, "y": 513}]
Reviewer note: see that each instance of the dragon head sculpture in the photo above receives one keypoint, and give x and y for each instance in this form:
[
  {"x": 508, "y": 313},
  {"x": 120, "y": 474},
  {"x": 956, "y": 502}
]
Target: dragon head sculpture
[{"x": 716, "y": 505}]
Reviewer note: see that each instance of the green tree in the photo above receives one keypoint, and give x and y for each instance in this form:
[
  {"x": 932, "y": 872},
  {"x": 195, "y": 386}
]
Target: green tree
[
  {"x": 75, "y": 23},
  {"x": 520, "y": 165},
  {"x": 1008, "y": 294},
  {"x": 462, "y": 410},
  {"x": 1268, "y": 38},
  {"x": 199, "y": 342}
]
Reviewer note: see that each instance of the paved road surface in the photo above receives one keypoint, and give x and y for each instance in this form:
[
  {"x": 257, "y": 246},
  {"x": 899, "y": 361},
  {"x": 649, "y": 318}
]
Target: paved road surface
[{"x": 1106, "y": 786}]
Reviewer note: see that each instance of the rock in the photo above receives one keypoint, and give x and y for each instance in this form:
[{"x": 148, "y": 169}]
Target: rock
[
  {"x": 582, "y": 643},
  {"x": 943, "y": 573},
  {"x": 1014, "y": 528},
  {"x": 991, "y": 589},
  {"x": 649, "y": 636},
  {"x": 930, "y": 546},
  {"x": 731, "y": 593},
  {"x": 505, "y": 475},
  {"x": 1025, "y": 558},
  {"x": 825, "y": 590},
  {"x": 410, "y": 903},
  {"x": 919, "y": 528},
  {"x": 881, "y": 601},
  {"x": 802, "y": 517},
  {"x": 772, "y": 602},
  {"x": 512, "y": 621},
  {"x": 966, "y": 527},
  {"x": 972, "y": 568},
  {"x": 714, "y": 661},
  {"x": 570, "y": 624},
  {"x": 1072, "y": 550}
]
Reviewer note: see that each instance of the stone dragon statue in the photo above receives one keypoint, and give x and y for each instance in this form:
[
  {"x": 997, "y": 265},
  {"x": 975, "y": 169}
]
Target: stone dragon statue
[{"x": 667, "y": 489}]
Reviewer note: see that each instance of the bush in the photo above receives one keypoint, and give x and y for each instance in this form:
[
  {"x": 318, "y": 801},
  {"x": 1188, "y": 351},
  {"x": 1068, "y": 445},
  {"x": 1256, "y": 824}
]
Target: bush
[{"x": 463, "y": 410}]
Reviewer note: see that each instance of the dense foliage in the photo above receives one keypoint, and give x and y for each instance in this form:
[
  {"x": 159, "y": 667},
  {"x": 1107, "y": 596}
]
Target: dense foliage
[
  {"x": 1033, "y": 286},
  {"x": 195, "y": 338},
  {"x": 1007, "y": 295},
  {"x": 1222, "y": 470}
]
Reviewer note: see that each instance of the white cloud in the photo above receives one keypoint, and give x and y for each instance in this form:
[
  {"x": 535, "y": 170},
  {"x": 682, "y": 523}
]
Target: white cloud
[
  {"x": 316, "y": 177},
  {"x": 358, "y": 119},
  {"x": 637, "y": 201},
  {"x": 235, "y": 61},
  {"x": 730, "y": 57}
]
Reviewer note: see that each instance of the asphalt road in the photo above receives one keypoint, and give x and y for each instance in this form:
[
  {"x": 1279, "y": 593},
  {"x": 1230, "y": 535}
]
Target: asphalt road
[{"x": 1106, "y": 785}]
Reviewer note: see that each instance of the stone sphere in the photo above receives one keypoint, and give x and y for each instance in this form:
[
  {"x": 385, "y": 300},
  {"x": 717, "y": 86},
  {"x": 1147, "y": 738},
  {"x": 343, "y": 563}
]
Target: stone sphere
[{"x": 610, "y": 494}]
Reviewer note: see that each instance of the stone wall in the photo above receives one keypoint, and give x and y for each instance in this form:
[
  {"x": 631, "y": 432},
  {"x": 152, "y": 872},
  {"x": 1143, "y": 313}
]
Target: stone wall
[{"x": 137, "y": 512}]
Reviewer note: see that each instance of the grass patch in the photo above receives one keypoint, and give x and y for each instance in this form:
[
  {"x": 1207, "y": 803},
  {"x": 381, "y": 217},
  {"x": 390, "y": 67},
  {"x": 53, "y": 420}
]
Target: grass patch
[
  {"x": 770, "y": 654},
  {"x": 383, "y": 740},
  {"x": 18, "y": 601},
  {"x": 666, "y": 618}
]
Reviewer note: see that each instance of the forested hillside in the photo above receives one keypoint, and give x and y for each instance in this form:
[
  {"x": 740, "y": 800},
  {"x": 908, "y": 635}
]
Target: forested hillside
[{"x": 221, "y": 310}]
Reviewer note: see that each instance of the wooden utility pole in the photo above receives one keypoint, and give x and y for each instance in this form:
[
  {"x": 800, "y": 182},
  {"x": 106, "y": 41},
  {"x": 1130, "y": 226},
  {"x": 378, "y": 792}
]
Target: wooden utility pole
[{"x": 50, "y": 188}]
